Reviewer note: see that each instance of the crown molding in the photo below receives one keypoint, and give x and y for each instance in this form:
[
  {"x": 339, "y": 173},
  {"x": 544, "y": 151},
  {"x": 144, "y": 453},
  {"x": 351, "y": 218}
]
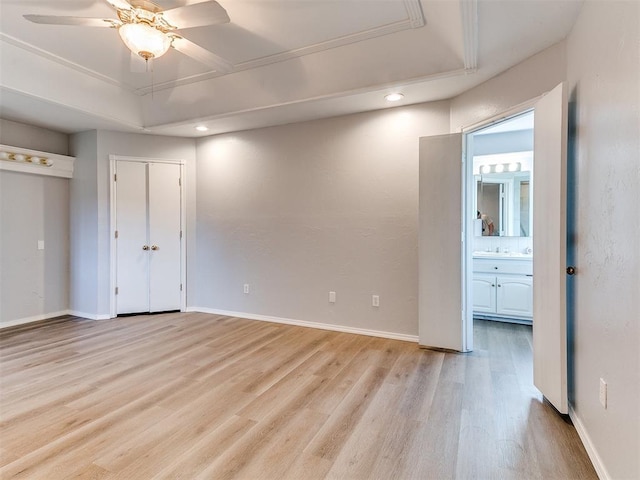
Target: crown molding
[
  {"x": 469, "y": 17},
  {"x": 61, "y": 61},
  {"x": 415, "y": 19}
]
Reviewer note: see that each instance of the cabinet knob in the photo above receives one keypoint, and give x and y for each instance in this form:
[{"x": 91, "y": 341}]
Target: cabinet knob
[
  {"x": 145, "y": 247},
  {"x": 495, "y": 268},
  {"x": 154, "y": 247},
  {"x": 499, "y": 285},
  {"x": 571, "y": 270}
]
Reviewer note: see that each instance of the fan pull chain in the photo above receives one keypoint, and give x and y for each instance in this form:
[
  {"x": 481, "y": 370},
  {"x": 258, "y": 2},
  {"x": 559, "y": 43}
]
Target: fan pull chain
[{"x": 146, "y": 61}]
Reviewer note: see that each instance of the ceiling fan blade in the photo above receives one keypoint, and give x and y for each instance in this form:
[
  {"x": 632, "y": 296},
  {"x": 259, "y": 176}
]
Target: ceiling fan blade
[
  {"x": 81, "y": 21},
  {"x": 121, "y": 4},
  {"x": 202, "y": 55},
  {"x": 196, "y": 15}
]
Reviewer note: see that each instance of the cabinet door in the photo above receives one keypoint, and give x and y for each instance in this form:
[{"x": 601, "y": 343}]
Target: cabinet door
[
  {"x": 514, "y": 296},
  {"x": 484, "y": 293}
]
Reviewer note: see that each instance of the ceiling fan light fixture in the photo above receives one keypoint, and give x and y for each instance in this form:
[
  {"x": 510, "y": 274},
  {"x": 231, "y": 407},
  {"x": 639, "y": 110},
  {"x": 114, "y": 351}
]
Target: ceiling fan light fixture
[{"x": 144, "y": 40}]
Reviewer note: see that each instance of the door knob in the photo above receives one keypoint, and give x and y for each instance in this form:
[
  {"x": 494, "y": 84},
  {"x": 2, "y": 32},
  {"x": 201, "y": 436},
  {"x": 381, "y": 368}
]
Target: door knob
[
  {"x": 571, "y": 270},
  {"x": 155, "y": 247},
  {"x": 145, "y": 247}
]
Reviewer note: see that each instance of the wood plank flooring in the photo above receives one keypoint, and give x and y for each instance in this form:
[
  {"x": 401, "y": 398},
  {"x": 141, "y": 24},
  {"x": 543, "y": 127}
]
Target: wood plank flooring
[{"x": 199, "y": 396}]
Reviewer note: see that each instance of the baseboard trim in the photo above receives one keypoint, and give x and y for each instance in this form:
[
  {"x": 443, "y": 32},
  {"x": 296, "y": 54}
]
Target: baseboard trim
[
  {"x": 35, "y": 318},
  {"x": 90, "y": 316},
  {"x": 304, "y": 323},
  {"x": 588, "y": 445}
]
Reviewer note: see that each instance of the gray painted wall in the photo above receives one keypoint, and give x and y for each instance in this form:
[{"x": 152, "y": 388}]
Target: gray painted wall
[
  {"x": 35, "y": 138},
  {"x": 604, "y": 79},
  {"x": 521, "y": 83},
  {"x": 33, "y": 283},
  {"x": 84, "y": 224},
  {"x": 299, "y": 210}
]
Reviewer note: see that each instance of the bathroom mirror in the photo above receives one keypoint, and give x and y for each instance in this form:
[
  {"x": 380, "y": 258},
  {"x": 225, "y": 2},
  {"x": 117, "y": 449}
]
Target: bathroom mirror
[{"x": 503, "y": 203}]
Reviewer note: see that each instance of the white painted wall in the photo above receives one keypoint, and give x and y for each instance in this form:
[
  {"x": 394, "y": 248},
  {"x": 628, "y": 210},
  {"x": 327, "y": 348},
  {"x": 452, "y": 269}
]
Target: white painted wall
[
  {"x": 604, "y": 77},
  {"x": 90, "y": 208},
  {"x": 299, "y": 210},
  {"x": 34, "y": 284}
]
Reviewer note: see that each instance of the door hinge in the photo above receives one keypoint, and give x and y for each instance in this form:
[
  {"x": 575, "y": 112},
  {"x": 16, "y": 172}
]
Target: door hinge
[
  {"x": 180, "y": 233},
  {"x": 115, "y": 177},
  {"x": 180, "y": 287},
  {"x": 116, "y": 234},
  {"x": 179, "y": 182},
  {"x": 116, "y": 290}
]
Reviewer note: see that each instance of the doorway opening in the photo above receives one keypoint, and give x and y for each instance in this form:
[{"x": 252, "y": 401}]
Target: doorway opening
[{"x": 499, "y": 204}]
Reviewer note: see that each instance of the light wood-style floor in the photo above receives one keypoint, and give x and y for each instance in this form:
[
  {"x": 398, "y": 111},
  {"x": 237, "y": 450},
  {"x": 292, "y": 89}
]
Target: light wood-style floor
[{"x": 211, "y": 397}]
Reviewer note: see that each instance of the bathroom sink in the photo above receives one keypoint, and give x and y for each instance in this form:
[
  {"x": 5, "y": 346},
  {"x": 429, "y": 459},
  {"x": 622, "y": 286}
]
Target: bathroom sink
[{"x": 502, "y": 254}]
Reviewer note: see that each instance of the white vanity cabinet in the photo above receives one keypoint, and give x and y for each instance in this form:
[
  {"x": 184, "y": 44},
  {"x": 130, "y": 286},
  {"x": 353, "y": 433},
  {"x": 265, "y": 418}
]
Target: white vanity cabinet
[{"x": 503, "y": 288}]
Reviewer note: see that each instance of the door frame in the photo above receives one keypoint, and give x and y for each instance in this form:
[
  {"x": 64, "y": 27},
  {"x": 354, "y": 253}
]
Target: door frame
[
  {"x": 468, "y": 226},
  {"x": 112, "y": 227}
]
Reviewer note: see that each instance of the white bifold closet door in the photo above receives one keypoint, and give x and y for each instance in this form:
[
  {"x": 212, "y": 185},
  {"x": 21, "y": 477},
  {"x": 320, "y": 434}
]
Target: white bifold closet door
[{"x": 148, "y": 219}]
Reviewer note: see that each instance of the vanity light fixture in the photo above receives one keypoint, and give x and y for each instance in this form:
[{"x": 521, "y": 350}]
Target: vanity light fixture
[
  {"x": 23, "y": 158},
  {"x": 501, "y": 167},
  {"x": 394, "y": 97},
  {"x": 201, "y": 128}
]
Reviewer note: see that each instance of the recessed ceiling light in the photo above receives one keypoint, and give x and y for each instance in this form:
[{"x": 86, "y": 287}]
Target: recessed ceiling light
[
  {"x": 201, "y": 128},
  {"x": 393, "y": 97}
]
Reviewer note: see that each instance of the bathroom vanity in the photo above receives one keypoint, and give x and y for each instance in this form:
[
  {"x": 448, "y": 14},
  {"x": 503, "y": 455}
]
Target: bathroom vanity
[{"x": 503, "y": 286}]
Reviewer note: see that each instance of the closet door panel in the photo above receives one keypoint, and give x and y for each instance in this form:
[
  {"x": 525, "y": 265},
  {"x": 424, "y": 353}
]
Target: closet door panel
[
  {"x": 131, "y": 220},
  {"x": 164, "y": 236}
]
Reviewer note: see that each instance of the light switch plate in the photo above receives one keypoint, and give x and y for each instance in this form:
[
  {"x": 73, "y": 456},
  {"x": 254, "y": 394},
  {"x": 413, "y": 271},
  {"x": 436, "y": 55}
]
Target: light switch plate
[
  {"x": 40, "y": 244},
  {"x": 603, "y": 393}
]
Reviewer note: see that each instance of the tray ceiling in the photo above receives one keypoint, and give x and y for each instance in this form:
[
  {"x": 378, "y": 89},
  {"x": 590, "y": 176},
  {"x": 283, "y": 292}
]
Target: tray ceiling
[{"x": 288, "y": 56}]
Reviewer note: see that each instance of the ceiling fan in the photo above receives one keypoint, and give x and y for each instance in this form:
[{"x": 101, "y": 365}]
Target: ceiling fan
[{"x": 149, "y": 31}]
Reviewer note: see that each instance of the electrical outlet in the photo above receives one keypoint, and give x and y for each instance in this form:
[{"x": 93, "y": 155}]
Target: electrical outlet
[
  {"x": 40, "y": 244},
  {"x": 603, "y": 393},
  {"x": 246, "y": 288},
  {"x": 375, "y": 301},
  {"x": 332, "y": 297}
]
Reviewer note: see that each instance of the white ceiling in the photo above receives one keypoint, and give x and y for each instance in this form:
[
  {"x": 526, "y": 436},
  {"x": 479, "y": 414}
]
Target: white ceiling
[{"x": 293, "y": 60}]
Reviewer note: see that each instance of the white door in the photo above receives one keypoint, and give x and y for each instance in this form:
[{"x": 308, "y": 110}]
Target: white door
[
  {"x": 164, "y": 237},
  {"x": 550, "y": 247},
  {"x": 440, "y": 294},
  {"x": 148, "y": 244},
  {"x": 132, "y": 259}
]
